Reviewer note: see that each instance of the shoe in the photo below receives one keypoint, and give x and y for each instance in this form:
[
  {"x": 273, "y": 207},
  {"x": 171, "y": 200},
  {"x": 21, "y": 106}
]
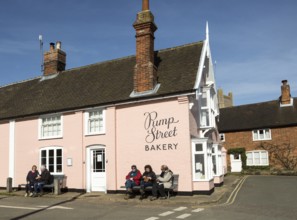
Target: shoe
[
  {"x": 31, "y": 194},
  {"x": 163, "y": 198},
  {"x": 34, "y": 194},
  {"x": 26, "y": 195},
  {"x": 153, "y": 198}
]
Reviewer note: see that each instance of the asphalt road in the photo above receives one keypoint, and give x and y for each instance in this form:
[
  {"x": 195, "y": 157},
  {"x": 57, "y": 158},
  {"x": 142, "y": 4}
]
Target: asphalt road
[{"x": 257, "y": 197}]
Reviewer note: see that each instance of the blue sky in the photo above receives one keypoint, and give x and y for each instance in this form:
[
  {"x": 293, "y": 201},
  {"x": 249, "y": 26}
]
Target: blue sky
[{"x": 254, "y": 42}]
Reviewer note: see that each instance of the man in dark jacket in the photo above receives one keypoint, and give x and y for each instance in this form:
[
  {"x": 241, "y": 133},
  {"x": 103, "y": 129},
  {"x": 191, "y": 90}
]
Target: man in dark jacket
[{"x": 42, "y": 179}]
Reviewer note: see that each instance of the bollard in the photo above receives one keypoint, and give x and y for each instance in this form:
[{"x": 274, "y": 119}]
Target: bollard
[
  {"x": 9, "y": 185},
  {"x": 57, "y": 186}
]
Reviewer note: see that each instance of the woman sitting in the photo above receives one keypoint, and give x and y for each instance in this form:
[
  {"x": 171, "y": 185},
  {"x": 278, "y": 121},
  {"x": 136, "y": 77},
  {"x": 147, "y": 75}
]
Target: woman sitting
[
  {"x": 148, "y": 178},
  {"x": 132, "y": 179}
]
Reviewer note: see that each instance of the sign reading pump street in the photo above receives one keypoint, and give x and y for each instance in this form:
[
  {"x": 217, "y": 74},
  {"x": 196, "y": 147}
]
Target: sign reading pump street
[{"x": 159, "y": 129}]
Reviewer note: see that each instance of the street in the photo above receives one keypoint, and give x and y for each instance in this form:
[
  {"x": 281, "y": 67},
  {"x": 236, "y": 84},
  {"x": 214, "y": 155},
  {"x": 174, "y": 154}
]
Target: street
[{"x": 256, "y": 197}]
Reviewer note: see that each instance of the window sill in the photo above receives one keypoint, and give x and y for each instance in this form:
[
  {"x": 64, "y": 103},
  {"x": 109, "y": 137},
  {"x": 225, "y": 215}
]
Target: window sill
[
  {"x": 96, "y": 134},
  {"x": 257, "y": 165},
  {"x": 263, "y": 139},
  {"x": 50, "y": 138}
]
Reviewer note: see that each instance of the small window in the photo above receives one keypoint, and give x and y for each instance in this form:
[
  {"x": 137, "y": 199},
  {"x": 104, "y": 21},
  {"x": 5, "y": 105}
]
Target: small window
[
  {"x": 222, "y": 137},
  {"x": 95, "y": 122},
  {"x": 257, "y": 158},
  {"x": 51, "y": 126},
  {"x": 262, "y": 134},
  {"x": 52, "y": 158}
]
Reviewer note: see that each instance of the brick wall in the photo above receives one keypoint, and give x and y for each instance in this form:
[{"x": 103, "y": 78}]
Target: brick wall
[
  {"x": 245, "y": 139},
  {"x": 145, "y": 73}
]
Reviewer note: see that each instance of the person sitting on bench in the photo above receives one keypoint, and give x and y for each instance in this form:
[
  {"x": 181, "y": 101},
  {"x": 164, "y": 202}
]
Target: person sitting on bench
[
  {"x": 42, "y": 179},
  {"x": 162, "y": 182},
  {"x": 31, "y": 180},
  {"x": 132, "y": 179},
  {"x": 148, "y": 177}
]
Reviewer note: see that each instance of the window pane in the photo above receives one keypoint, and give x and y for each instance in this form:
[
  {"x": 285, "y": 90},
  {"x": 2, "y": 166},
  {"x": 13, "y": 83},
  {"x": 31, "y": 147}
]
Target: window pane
[
  {"x": 249, "y": 160},
  {"x": 51, "y": 153},
  {"x": 43, "y": 161},
  {"x": 51, "y": 168},
  {"x": 59, "y": 153},
  {"x": 256, "y": 158},
  {"x": 204, "y": 99},
  {"x": 59, "y": 168},
  {"x": 255, "y": 135},
  {"x": 199, "y": 147},
  {"x": 199, "y": 166},
  {"x": 43, "y": 153},
  {"x": 204, "y": 117},
  {"x": 261, "y": 134},
  {"x": 267, "y": 134},
  {"x": 59, "y": 160},
  {"x": 214, "y": 165}
]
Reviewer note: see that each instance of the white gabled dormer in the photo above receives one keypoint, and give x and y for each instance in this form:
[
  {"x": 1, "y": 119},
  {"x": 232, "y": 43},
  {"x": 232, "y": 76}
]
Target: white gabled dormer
[{"x": 206, "y": 88}]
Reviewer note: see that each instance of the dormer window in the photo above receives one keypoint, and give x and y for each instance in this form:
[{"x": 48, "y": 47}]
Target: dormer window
[{"x": 261, "y": 134}]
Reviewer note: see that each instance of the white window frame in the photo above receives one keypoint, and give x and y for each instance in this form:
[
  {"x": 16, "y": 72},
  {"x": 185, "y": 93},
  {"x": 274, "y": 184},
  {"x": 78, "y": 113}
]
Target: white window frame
[
  {"x": 217, "y": 153},
  {"x": 209, "y": 108},
  {"x": 40, "y": 137},
  {"x": 222, "y": 137},
  {"x": 258, "y": 134},
  {"x": 260, "y": 158},
  {"x": 207, "y": 153},
  {"x": 86, "y": 122},
  {"x": 55, "y": 148}
]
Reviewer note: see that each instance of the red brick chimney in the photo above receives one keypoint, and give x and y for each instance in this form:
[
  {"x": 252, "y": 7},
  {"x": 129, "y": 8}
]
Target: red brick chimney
[
  {"x": 145, "y": 73},
  {"x": 285, "y": 98},
  {"x": 54, "y": 59}
]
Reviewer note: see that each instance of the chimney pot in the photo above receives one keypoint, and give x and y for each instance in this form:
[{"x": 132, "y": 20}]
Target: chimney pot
[
  {"x": 145, "y": 5},
  {"x": 52, "y": 46},
  {"x": 58, "y": 45},
  {"x": 285, "y": 82}
]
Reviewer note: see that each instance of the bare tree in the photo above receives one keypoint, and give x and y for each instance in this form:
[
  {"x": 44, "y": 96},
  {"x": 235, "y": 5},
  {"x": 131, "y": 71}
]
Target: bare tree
[{"x": 283, "y": 154}]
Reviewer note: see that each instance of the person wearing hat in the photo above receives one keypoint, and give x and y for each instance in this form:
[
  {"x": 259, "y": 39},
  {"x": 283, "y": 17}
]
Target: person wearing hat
[{"x": 132, "y": 179}]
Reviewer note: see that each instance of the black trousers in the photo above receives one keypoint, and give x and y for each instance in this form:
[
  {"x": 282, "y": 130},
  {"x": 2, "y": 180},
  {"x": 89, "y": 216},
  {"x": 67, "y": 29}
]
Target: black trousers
[{"x": 158, "y": 188}]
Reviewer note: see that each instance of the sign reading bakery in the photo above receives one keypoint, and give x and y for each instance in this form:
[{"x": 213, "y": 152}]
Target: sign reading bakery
[{"x": 159, "y": 132}]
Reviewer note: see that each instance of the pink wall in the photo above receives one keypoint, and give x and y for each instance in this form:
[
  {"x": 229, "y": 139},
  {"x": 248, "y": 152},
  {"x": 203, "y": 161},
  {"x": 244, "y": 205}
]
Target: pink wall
[
  {"x": 128, "y": 140},
  {"x": 4, "y": 147},
  {"x": 132, "y": 143},
  {"x": 203, "y": 185}
]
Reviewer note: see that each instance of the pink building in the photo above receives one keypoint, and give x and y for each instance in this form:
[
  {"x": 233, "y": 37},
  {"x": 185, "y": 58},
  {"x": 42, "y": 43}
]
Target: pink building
[{"x": 92, "y": 123}]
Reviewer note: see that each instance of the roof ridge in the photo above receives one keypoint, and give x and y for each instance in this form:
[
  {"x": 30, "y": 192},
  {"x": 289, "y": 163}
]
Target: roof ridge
[
  {"x": 131, "y": 56},
  {"x": 19, "y": 82}
]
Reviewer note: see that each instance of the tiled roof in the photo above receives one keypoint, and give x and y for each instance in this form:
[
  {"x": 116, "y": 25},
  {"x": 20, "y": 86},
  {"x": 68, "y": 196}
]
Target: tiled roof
[
  {"x": 99, "y": 84},
  {"x": 257, "y": 116}
]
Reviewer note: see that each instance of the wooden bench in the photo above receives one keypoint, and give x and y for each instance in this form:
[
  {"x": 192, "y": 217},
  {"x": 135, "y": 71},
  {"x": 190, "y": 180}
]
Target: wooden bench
[
  {"x": 172, "y": 189},
  {"x": 51, "y": 183}
]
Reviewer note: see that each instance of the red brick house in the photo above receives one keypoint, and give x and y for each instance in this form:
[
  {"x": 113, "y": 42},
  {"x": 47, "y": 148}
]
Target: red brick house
[{"x": 266, "y": 130}]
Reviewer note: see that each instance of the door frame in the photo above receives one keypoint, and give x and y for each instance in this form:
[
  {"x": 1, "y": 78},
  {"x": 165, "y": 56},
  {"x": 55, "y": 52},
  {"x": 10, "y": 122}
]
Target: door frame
[{"x": 88, "y": 165}]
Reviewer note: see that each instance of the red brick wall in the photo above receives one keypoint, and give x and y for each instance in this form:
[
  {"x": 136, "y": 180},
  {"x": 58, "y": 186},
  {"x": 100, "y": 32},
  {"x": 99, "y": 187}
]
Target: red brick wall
[
  {"x": 245, "y": 139},
  {"x": 145, "y": 75},
  {"x": 54, "y": 61}
]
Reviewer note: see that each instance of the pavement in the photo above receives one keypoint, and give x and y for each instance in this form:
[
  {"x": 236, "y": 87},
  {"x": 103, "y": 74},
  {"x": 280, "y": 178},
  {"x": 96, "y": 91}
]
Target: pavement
[{"x": 221, "y": 193}]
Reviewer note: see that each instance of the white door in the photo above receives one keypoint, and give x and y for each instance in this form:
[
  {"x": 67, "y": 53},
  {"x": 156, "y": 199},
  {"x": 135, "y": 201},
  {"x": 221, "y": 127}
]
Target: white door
[
  {"x": 97, "y": 171},
  {"x": 236, "y": 163}
]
